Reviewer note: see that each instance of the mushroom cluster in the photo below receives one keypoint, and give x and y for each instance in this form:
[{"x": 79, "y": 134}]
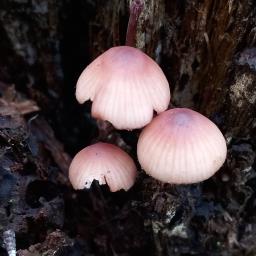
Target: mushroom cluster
[{"x": 178, "y": 146}]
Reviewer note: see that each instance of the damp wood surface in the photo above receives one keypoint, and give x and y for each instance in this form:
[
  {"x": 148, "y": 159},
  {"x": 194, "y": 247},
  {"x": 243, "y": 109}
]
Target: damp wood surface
[{"x": 207, "y": 50}]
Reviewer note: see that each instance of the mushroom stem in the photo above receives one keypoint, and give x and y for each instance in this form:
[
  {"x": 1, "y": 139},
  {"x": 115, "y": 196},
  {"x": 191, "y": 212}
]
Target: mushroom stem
[
  {"x": 107, "y": 133},
  {"x": 135, "y": 11},
  {"x": 105, "y": 129}
]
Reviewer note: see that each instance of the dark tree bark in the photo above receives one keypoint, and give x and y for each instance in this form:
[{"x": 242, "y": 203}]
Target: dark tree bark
[{"x": 208, "y": 53}]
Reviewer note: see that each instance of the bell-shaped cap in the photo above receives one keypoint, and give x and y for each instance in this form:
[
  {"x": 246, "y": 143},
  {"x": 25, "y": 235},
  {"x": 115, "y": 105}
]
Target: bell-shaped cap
[
  {"x": 105, "y": 163},
  {"x": 126, "y": 86},
  {"x": 181, "y": 146}
]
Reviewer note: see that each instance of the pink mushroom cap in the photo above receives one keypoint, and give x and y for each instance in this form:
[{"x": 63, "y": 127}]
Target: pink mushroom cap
[
  {"x": 105, "y": 163},
  {"x": 181, "y": 146},
  {"x": 126, "y": 86}
]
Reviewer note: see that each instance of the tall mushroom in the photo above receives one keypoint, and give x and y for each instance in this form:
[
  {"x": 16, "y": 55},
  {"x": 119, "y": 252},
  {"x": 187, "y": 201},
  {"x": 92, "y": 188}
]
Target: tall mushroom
[{"x": 125, "y": 85}]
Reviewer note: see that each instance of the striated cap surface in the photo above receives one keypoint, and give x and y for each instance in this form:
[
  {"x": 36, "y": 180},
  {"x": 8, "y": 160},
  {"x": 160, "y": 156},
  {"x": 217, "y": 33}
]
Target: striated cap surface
[
  {"x": 126, "y": 86},
  {"x": 181, "y": 146},
  {"x": 105, "y": 163}
]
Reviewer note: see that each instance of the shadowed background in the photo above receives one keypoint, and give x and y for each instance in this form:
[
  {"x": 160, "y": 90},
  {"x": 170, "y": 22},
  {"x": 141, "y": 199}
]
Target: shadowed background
[{"x": 208, "y": 53}]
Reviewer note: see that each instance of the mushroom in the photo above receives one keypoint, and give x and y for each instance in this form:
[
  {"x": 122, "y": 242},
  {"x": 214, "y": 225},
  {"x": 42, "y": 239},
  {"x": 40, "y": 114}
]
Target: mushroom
[
  {"x": 181, "y": 146},
  {"x": 105, "y": 163},
  {"x": 126, "y": 86}
]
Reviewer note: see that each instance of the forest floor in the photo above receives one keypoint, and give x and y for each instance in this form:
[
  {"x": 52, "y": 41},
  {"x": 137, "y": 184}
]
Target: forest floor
[{"x": 216, "y": 217}]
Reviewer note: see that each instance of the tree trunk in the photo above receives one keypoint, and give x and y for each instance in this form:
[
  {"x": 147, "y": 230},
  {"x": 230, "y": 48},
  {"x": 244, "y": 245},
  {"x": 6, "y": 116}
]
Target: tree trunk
[{"x": 208, "y": 53}]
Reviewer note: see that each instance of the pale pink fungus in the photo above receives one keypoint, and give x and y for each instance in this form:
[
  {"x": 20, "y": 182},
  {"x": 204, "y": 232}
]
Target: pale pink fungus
[
  {"x": 181, "y": 146},
  {"x": 105, "y": 163},
  {"x": 126, "y": 86}
]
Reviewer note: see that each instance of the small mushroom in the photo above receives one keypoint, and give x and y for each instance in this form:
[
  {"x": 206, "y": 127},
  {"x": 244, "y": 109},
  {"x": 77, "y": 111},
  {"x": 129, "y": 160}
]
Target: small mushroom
[
  {"x": 181, "y": 146},
  {"x": 126, "y": 86},
  {"x": 105, "y": 163}
]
